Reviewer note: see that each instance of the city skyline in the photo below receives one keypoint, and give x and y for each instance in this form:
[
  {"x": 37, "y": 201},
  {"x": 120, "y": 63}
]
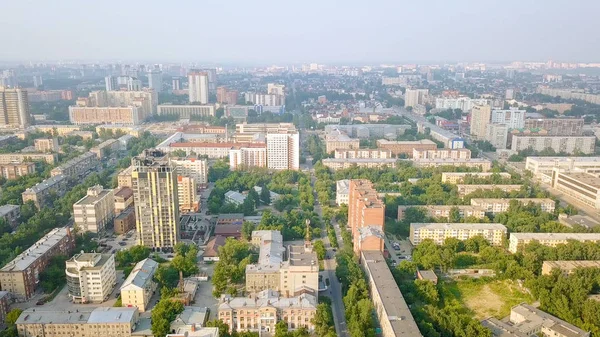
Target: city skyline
[{"x": 270, "y": 32}]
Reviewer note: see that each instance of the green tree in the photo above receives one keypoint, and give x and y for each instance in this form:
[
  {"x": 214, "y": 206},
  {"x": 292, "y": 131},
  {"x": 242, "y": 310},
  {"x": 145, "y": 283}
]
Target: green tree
[
  {"x": 223, "y": 328},
  {"x": 163, "y": 313},
  {"x": 319, "y": 248},
  {"x": 247, "y": 228},
  {"x": 12, "y": 316},
  {"x": 265, "y": 195}
]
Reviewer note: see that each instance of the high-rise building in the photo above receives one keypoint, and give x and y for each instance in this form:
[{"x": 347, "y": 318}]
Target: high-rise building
[
  {"x": 212, "y": 79},
  {"x": 283, "y": 150},
  {"x": 480, "y": 118},
  {"x": 8, "y": 79},
  {"x": 176, "y": 83},
  {"x": 189, "y": 200},
  {"x": 38, "y": 81},
  {"x": 14, "y": 108},
  {"x": 155, "y": 80},
  {"x": 133, "y": 84},
  {"x": 366, "y": 216},
  {"x": 513, "y": 118},
  {"x": 414, "y": 97},
  {"x": 198, "y": 87},
  {"x": 276, "y": 89},
  {"x": 226, "y": 96},
  {"x": 156, "y": 200},
  {"x": 111, "y": 83},
  {"x": 91, "y": 277},
  {"x": 94, "y": 211},
  {"x": 193, "y": 167}
]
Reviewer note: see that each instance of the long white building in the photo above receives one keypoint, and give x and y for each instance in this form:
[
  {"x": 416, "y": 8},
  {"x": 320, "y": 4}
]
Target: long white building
[
  {"x": 198, "y": 87},
  {"x": 494, "y": 233},
  {"x": 463, "y": 103},
  {"x": 548, "y": 239},
  {"x": 543, "y": 166},
  {"x": 560, "y": 144}
]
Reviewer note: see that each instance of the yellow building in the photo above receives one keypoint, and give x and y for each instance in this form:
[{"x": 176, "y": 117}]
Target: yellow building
[
  {"x": 567, "y": 267},
  {"x": 139, "y": 286},
  {"x": 548, "y": 239},
  {"x": 458, "y": 177},
  {"x": 494, "y": 233},
  {"x": 468, "y": 189}
]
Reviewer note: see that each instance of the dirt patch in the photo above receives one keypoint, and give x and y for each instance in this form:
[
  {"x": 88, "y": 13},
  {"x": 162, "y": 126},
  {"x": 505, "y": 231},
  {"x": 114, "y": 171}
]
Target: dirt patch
[{"x": 485, "y": 303}]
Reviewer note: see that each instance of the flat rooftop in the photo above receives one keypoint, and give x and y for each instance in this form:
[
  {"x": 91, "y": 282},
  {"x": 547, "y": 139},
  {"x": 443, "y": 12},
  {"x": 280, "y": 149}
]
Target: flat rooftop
[
  {"x": 41, "y": 247},
  {"x": 392, "y": 300},
  {"x": 298, "y": 256},
  {"x": 405, "y": 142},
  {"x": 581, "y": 177},
  {"x": 5, "y": 209},
  {"x": 535, "y": 317},
  {"x": 565, "y": 159},
  {"x": 458, "y": 225},
  {"x": 556, "y": 236},
  {"x": 452, "y": 160},
  {"x": 361, "y": 160},
  {"x": 570, "y": 265},
  {"x": 502, "y": 329},
  {"x": 92, "y": 199},
  {"x": 507, "y": 200},
  {"x": 104, "y": 315}
]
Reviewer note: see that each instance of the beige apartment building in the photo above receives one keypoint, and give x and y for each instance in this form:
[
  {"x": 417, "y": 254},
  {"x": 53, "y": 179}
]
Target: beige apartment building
[
  {"x": 123, "y": 199},
  {"x": 21, "y": 275},
  {"x": 46, "y": 144},
  {"x": 78, "y": 167},
  {"x": 51, "y": 187},
  {"x": 583, "y": 187},
  {"x": 442, "y": 154},
  {"x": 139, "y": 286},
  {"x": 11, "y": 158},
  {"x": 480, "y": 163},
  {"x": 444, "y": 211},
  {"x": 480, "y": 118},
  {"x": 494, "y": 233},
  {"x": 14, "y": 108},
  {"x": 83, "y": 322},
  {"x": 57, "y": 130},
  {"x": 266, "y": 309},
  {"x": 567, "y": 267},
  {"x": 193, "y": 167},
  {"x": 287, "y": 271},
  {"x": 247, "y": 157},
  {"x": 464, "y": 190},
  {"x": 363, "y": 154},
  {"x": 125, "y": 221},
  {"x": 95, "y": 211},
  {"x": 517, "y": 240},
  {"x": 459, "y": 177},
  {"x": 337, "y": 140},
  {"x": 124, "y": 178},
  {"x": 100, "y": 115},
  {"x": 107, "y": 147},
  {"x": 14, "y": 171},
  {"x": 340, "y": 164},
  {"x": 495, "y": 206},
  {"x": 406, "y": 148},
  {"x": 189, "y": 199},
  {"x": 10, "y": 214},
  {"x": 91, "y": 277}
]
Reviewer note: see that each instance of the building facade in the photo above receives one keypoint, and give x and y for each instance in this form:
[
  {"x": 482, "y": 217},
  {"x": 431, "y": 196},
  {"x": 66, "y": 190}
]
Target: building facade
[
  {"x": 464, "y": 190},
  {"x": 186, "y": 111},
  {"x": 480, "y": 163},
  {"x": 41, "y": 193},
  {"x": 283, "y": 150},
  {"x": 193, "y": 167},
  {"x": 363, "y": 154},
  {"x": 11, "y": 158},
  {"x": 14, "y": 108},
  {"x": 406, "y": 148},
  {"x": 517, "y": 240},
  {"x": 480, "y": 118},
  {"x": 560, "y": 144},
  {"x": 14, "y": 171},
  {"x": 581, "y": 186},
  {"x": 94, "y": 212},
  {"x": 442, "y": 154},
  {"x": 189, "y": 200},
  {"x": 459, "y": 177},
  {"x": 495, "y": 206},
  {"x": 513, "y": 118},
  {"x": 494, "y": 233},
  {"x": 139, "y": 286},
  {"x": 340, "y": 164},
  {"x": 557, "y": 126},
  {"x": 91, "y": 277},
  {"x": 198, "y": 87},
  {"x": 79, "y": 167},
  {"x": 366, "y": 216}
]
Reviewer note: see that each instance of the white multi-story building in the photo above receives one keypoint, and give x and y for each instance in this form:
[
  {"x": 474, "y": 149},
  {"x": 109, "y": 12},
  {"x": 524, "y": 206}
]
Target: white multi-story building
[
  {"x": 543, "y": 166},
  {"x": 481, "y": 163},
  {"x": 94, "y": 211},
  {"x": 442, "y": 154},
  {"x": 498, "y": 205},
  {"x": 414, "y": 97},
  {"x": 193, "y": 167},
  {"x": 264, "y": 99},
  {"x": 91, "y": 277},
  {"x": 513, "y": 118},
  {"x": 480, "y": 118},
  {"x": 342, "y": 192},
  {"x": 246, "y": 157},
  {"x": 549, "y": 239},
  {"x": 198, "y": 87},
  {"x": 497, "y": 134},
  {"x": 362, "y": 154},
  {"x": 463, "y": 103},
  {"x": 283, "y": 150},
  {"x": 584, "y": 187},
  {"x": 186, "y": 111},
  {"x": 494, "y": 233},
  {"x": 560, "y": 144}
]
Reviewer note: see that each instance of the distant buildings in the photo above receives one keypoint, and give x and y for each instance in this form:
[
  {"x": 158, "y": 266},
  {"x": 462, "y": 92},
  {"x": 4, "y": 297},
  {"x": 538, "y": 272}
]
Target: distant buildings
[
  {"x": 570, "y": 94},
  {"x": 21, "y": 275},
  {"x": 557, "y": 126},
  {"x": 363, "y": 154},
  {"x": 195, "y": 168},
  {"x": 406, "y": 148},
  {"x": 14, "y": 108},
  {"x": 337, "y": 140},
  {"x": 94, "y": 211},
  {"x": 14, "y": 171},
  {"x": 513, "y": 118},
  {"x": 41, "y": 193},
  {"x": 139, "y": 286},
  {"x": 198, "y": 86},
  {"x": 495, "y": 205},
  {"x": 494, "y": 233},
  {"x": 91, "y": 277},
  {"x": 114, "y": 107},
  {"x": 340, "y": 163},
  {"x": 155, "y": 80},
  {"x": 46, "y": 144},
  {"x": 497, "y": 135},
  {"x": 442, "y": 154},
  {"x": 364, "y": 131},
  {"x": 517, "y": 240},
  {"x": 560, "y": 144},
  {"x": 226, "y": 96},
  {"x": 366, "y": 216},
  {"x": 464, "y": 190},
  {"x": 480, "y": 163},
  {"x": 186, "y": 111},
  {"x": 156, "y": 200},
  {"x": 10, "y": 158},
  {"x": 463, "y": 103},
  {"x": 581, "y": 186},
  {"x": 480, "y": 118},
  {"x": 542, "y": 167},
  {"x": 414, "y": 97},
  {"x": 567, "y": 267}
]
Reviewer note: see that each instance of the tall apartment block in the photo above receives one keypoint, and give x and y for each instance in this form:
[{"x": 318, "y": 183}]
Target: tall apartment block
[
  {"x": 480, "y": 118},
  {"x": 198, "y": 87},
  {"x": 156, "y": 200},
  {"x": 193, "y": 167},
  {"x": 283, "y": 150},
  {"x": 22, "y": 275},
  {"x": 94, "y": 211},
  {"x": 189, "y": 200},
  {"x": 226, "y": 96},
  {"x": 14, "y": 108},
  {"x": 366, "y": 216}
]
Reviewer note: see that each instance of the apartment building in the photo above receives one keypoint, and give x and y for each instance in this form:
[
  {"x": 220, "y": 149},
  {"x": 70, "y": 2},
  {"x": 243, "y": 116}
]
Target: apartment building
[
  {"x": 362, "y": 154},
  {"x": 210, "y": 150},
  {"x": 123, "y": 199},
  {"x": 5, "y": 301},
  {"x": 46, "y": 144},
  {"x": 340, "y": 164},
  {"x": 186, "y": 111},
  {"x": 480, "y": 163},
  {"x": 226, "y": 96},
  {"x": 156, "y": 200},
  {"x": 342, "y": 192},
  {"x": 95, "y": 211},
  {"x": 480, "y": 118},
  {"x": 526, "y": 320},
  {"x": 557, "y": 126},
  {"x": 88, "y": 322},
  {"x": 14, "y": 171},
  {"x": 125, "y": 221},
  {"x": 189, "y": 199},
  {"x": 464, "y": 190},
  {"x": 543, "y": 166},
  {"x": 124, "y": 178},
  {"x": 40, "y": 193},
  {"x": 414, "y": 97},
  {"x": 567, "y": 267},
  {"x": 365, "y": 131},
  {"x": 513, "y": 118},
  {"x": 14, "y": 108},
  {"x": 560, "y": 144},
  {"x": 287, "y": 270},
  {"x": 494, "y": 233},
  {"x": 11, "y": 158},
  {"x": 517, "y": 240},
  {"x": 497, "y": 135},
  {"x": 82, "y": 115},
  {"x": 366, "y": 216},
  {"x": 106, "y": 148},
  {"x": 79, "y": 167},
  {"x": 449, "y": 139},
  {"x": 393, "y": 313},
  {"x": 247, "y": 157},
  {"x": 91, "y": 277},
  {"x": 57, "y": 129},
  {"x": 198, "y": 86},
  {"x": 570, "y": 94},
  {"x": 459, "y": 177},
  {"x": 10, "y": 214},
  {"x": 463, "y": 103},
  {"x": 406, "y": 148},
  {"x": 444, "y": 211},
  {"x": 581, "y": 186},
  {"x": 21, "y": 275},
  {"x": 340, "y": 141},
  {"x": 498, "y": 205},
  {"x": 139, "y": 286},
  {"x": 193, "y": 167},
  {"x": 283, "y": 150},
  {"x": 442, "y": 154}
]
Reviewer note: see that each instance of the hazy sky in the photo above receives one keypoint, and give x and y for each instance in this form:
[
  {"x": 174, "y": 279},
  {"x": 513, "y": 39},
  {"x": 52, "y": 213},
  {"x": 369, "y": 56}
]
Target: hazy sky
[{"x": 288, "y": 31}]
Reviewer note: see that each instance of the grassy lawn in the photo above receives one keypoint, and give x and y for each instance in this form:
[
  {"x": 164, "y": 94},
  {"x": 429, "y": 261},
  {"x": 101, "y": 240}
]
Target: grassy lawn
[{"x": 487, "y": 298}]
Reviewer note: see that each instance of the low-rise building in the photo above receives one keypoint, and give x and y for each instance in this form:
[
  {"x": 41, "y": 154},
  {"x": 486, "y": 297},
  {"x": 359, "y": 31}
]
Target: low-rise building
[
  {"x": 342, "y": 192},
  {"x": 10, "y": 214},
  {"x": 40, "y": 194},
  {"x": 459, "y": 177},
  {"x": 230, "y": 219},
  {"x": 91, "y": 277},
  {"x": 406, "y": 148},
  {"x": 464, "y": 190},
  {"x": 123, "y": 199},
  {"x": 340, "y": 164},
  {"x": 543, "y": 166},
  {"x": 46, "y": 144},
  {"x": 427, "y": 275},
  {"x": 124, "y": 178},
  {"x": 444, "y": 211},
  {"x": 480, "y": 163},
  {"x": 517, "y": 240},
  {"x": 79, "y": 167},
  {"x": 494, "y": 233},
  {"x": 560, "y": 144},
  {"x": 498, "y": 205},
  {"x": 11, "y": 158},
  {"x": 567, "y": 267},
  {"x": 89, "y": 322},
  {"x": 139, "y": 286},
  {"x": 235, "y": 197},
  {"x": 21, "y": 275},
  {"x": 266, "y": 309},
  {"x": 186, "y": 111},
  {"x": 16, "y": 170},
  {"x": 442, "y": 154},
  {"x": 107, "y": 147},
  {"x": 95, "y": 211},
  {"x": 211, "y": 253},
  {"x": 581, "y": 186},
  {"x": 125, "y": 221},
  {"x": 338, "y": 140},
  {"x": 363, "y": 153}
]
